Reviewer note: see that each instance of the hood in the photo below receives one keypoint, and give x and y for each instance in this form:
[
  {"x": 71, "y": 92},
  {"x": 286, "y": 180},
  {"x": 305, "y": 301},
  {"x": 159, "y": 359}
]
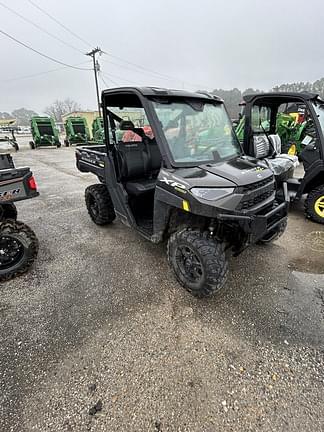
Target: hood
[{"x": 241, "y": 171}]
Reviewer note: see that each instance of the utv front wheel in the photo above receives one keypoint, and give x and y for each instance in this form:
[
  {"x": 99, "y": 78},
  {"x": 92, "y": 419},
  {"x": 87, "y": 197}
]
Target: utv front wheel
[
  {"x": 99, "y": 204},
  {"x": 314, "y": 205},
  {"x": 32, "y": 145},
  {"x": 18, "y": 249},
  {"x": 198, "y": 261}
]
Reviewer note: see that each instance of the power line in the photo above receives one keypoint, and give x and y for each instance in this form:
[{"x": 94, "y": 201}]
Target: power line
[
  {"x": 108, "y": 75},
  {"x": 40, "y": 53},
  {"x": 111, "y": 80},
  {"x": 152, "y": 72},
  {"x": 40, "y": 28},
  {"x": 143, "y": 68},
  {"x": 39, "y": 73},
  {"x": 59, "y": 23}
]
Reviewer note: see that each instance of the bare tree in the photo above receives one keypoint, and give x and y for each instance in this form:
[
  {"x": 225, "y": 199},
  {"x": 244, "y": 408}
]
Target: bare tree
[{"x": 61, "y": 107}]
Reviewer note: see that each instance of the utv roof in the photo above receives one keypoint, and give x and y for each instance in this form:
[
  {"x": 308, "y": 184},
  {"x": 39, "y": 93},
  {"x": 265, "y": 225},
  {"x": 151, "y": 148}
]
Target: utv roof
[
  {"x": 280, "y": 96},
  {"x": 162, "y": 92}
]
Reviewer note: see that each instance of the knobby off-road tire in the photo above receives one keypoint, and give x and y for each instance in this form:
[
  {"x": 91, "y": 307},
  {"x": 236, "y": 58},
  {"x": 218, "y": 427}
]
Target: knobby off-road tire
[
  {"x": 198, "y": 261},
  {"x": 32, "y": 145},
  {"x": 99, "y": 204},
  {"x": 274, "y": 234},
  {"x": 314, "y": 205},
  {"x": 18, "y": 249}
]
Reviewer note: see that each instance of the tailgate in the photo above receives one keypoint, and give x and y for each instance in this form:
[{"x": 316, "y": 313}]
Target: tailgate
[{"x": 14, "y": 185}]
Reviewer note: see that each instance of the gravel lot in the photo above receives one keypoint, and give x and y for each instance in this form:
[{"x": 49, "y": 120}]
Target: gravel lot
[{"x": 99, "y": 336}]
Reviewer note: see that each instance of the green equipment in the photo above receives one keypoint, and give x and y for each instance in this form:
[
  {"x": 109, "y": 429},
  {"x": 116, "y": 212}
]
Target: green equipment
[
  {"x": 44, "y": 133},
  {"x": 291, "y": 131},
  {"x": 77, "y": 131},
  {"x": 98, "y": 133}
]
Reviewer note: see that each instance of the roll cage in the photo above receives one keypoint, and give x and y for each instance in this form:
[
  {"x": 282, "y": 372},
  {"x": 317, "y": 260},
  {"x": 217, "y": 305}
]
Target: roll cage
[
  {"x": 142, "y": 97},
  {"x": 273, "y": 101}
]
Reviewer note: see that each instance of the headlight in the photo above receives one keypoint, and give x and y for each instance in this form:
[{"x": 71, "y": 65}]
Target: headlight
[{"x": 212, "y": 194}]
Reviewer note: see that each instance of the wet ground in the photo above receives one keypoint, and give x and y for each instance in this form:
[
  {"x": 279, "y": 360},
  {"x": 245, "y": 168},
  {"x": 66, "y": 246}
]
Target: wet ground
[{"x": 99, "y": 336}]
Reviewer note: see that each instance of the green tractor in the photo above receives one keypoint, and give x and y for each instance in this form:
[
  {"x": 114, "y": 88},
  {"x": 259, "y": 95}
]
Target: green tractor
[
  {"x": 44, "y": 133},
  {"x": 77, "y": 131},
  {"x": 98, "y": 132}
]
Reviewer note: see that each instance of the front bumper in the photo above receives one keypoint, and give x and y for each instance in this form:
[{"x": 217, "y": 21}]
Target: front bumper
[{"x": 258, "y": 225}]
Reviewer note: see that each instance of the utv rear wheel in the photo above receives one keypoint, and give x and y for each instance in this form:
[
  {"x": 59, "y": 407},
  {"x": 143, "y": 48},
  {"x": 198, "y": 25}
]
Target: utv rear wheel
[
  {"x": 274, "y": 234},
  {"x": 67, "y": 143},
  {"x": 58, "y": 144},
  {"x": 198, "y": 261},
  {"x": 314, "y": 205},
  {"x": 18, "y": 249},
  {"x": 99, "y": 204}
]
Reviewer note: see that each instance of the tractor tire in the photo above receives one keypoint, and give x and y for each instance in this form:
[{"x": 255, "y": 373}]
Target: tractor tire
[
  {"x": 8, "y": 211},
  {"x": 274, "y": 234},
  {"x": 314, "y": 205},
  {"x": 99, "y": 204},
  {"x": 32, "y": 145},
  {"x": 18, "y": 249},
  {"x": 198, "y": 261}
]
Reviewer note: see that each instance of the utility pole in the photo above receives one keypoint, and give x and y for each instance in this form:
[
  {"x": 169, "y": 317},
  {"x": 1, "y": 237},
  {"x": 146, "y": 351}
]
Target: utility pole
[{"x": 96, "y": 69}]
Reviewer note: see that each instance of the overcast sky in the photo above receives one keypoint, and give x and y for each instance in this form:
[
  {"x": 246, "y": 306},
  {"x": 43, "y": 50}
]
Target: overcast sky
[{"x": 192, "y": 44}]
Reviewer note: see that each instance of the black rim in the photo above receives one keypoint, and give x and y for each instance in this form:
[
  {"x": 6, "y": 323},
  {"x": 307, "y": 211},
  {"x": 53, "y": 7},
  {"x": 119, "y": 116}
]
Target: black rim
[
  {"x": 189, "y": 264},
  {"x": 93, "y": 206},
  {"x": 11, "y": 252}
]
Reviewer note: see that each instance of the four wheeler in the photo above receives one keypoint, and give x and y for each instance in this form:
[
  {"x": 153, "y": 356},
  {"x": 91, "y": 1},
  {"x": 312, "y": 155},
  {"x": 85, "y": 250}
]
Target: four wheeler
[
  {"x": 44, "y": 133},
  {"x": 8, "y": 126},
  {"x": 184, "y": 179},
  {"x": 77, "y": 131},
  {"x": 261, "y": 139},
  {"x": 98, "y": 132},
  {"x": 18, "y": 243}
]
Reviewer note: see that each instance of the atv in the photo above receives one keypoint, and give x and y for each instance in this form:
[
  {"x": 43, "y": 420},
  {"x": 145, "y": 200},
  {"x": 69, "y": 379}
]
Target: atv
[
  {"x": 262, "y": 137},
  {"x": 178, "y": 174},
  {"x": 18, "y": 242}
]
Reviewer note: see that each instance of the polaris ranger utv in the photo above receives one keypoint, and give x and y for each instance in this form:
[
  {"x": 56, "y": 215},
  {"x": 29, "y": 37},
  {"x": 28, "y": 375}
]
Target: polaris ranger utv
[
  {"x": 18, "y": 243},
  {"x": 180, "y": 175},
  {"x": 262, "y": 138}
]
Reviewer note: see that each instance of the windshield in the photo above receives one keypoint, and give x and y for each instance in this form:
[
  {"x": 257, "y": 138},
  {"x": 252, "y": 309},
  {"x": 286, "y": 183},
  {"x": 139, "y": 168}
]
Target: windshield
[{"x": 197, "y": 131}]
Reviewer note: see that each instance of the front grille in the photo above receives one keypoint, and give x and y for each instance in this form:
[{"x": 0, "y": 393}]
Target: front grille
[
  {"x": 256, "y": 193},
  {"x": 246, "y": 204},
  {"x": 256, "y": 185}
]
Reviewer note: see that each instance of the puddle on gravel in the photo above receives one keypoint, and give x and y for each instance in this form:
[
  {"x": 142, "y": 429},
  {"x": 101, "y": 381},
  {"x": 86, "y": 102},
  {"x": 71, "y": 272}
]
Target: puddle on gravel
[
  {"x": 304, "y": 307},
  {"x": 315, "y": 241}
]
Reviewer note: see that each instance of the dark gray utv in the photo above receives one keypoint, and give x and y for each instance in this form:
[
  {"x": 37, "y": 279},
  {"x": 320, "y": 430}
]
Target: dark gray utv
[{"x": 172, "y": 168}]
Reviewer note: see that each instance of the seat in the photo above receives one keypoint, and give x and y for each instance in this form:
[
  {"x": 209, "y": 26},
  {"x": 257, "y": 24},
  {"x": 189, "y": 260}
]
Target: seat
[
  {"x": 268, "y": 148},
  {"x": 140, "y": 187},
  {"x": 139, "y": 165}
]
